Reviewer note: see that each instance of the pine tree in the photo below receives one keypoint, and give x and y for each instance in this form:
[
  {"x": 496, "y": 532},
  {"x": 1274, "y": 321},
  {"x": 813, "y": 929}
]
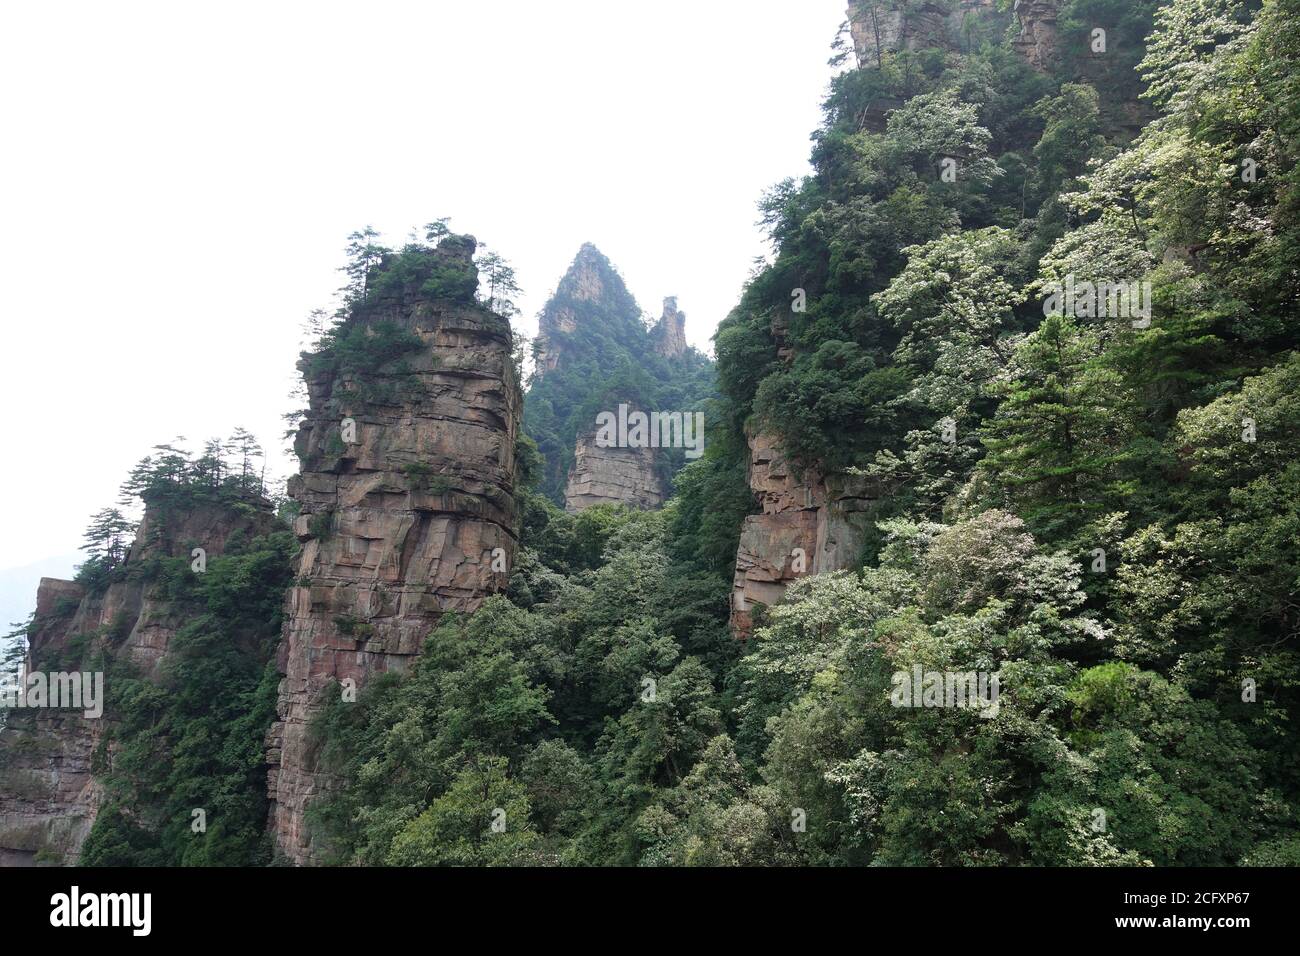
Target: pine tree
[
  {"x": 244, "y": 448},
  {"x": 1054, "y": 443},
  {"x": 364, "y": 254},
  {"x": 105, "y": 539},
  {"x": 499, "y": 277}
]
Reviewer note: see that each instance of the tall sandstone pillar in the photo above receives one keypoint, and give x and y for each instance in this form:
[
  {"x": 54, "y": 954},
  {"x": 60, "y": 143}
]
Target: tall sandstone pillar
[{"x": 411, "y": 517}]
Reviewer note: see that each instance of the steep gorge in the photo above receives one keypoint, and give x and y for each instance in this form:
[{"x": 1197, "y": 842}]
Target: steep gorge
[{"x": 592, "y": 684}]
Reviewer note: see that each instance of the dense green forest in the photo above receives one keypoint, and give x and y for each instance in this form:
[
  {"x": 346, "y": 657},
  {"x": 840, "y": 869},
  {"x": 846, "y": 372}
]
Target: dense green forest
[
  {"x": 1098, "y": 507},
  {"x": 1101, "y": 511}
]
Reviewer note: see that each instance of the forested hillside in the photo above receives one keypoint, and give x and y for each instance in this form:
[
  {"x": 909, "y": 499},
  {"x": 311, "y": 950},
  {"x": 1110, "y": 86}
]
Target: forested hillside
[
  {"x": 595, "y": 350},
  {"x": 1098, "y": 507},
  {"x": 992, "y": 557}
]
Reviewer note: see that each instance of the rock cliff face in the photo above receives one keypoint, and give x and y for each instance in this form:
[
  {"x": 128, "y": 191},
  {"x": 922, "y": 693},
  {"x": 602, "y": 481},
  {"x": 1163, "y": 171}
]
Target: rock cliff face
[
  {"x": 410, "y": 517},
  {"x": 809, "y": 523},
  {"x": 1037, "y": 39},
  {"x": 612, "y": 476},
  {"x": 669, "y": 333},
  {"x": 878, "y": 27},
  {"x": 585, "y": 282},
  {"x": 48, "y": 793}
]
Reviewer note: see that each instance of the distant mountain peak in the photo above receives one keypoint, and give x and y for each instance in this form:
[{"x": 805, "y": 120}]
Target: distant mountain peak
[
  {"x": 590, "y": 278},
  {"x": 590, "y": 294}
]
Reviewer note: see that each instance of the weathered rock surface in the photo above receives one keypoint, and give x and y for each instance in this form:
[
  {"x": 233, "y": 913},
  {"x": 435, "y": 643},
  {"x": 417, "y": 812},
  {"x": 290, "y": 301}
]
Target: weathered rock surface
[
  {"x": 809, "y": 523},
  {"x": 878, "y": 27},
  {"x": 590, "y": 330},
  {"x": 612, "y": 476},
  {"x": 669, "y": 333},
  {"x": 48, "y": 792},
  {"x": 583, "y": 282},
  {"x": 399, "y": 526},
  {"x": 1037, "y": 39}
]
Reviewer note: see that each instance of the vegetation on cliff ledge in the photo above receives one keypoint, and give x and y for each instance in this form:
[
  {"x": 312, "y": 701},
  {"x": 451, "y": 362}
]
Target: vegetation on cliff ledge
[
  {"x": 1096, "y": 512},
  {"x": 1100, "y": 511}
]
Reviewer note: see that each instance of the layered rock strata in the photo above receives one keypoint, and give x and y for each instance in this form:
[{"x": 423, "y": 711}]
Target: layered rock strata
[
  {"x": 599, "y": 476},
  {"x": 1036, "y": 41},
  {"x": 48, "y": 792},
  {"x": 878, "y": 27},
  {"x": 809, "y": 523},
  {"x": 407, "y": 511}
]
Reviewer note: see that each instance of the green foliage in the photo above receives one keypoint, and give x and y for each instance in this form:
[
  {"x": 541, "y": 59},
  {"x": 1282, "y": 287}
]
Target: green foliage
[
  {"x": 423, "y": 478},
  {"x": 474, "y": 694},
  {"x": 499, "y": 283},
  {"x": 1057, "y": 445},
  {"x": 1274, "y": 853},
  {"x": 713, "y": 497},
  {"x": 536, "y": 703},
  {"x": 1134, "y": 725},
  {"x": 228, "y": 473},
  {"x": 194, "y": 737},
  {"x": 605, "y": 356},
  {"x": 321, "y": 525},
  {"x": 1111, "y": 534},
  {"x": 349, "y": 349},
  {"x": 456, "y": 829}
]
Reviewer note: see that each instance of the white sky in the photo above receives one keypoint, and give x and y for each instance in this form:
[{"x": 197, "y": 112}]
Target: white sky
[{"x": 177, "y": 182}]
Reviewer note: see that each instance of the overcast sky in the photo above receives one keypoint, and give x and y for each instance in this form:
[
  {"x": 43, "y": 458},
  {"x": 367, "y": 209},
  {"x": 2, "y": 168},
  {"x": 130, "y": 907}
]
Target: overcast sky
[{"x": 178, "y": 180}]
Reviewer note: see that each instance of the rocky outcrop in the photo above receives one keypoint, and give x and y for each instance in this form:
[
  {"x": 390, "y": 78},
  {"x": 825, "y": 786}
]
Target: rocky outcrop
[
  {"x": 883, "y": 27},
  {"x": 48, "y": 797},
  {"x": 1037, "y": 39},
  {"x": 809, "y": 523},
  {"x": 878, "y": 27},
  {"x": 584, "y": 282},
  {"x": 596, "y": 350},
  {"x": 48, "y": 792},
  {"x": 669, "y": 333},
  {"x": 407, "y": 517},
  {"x": 602, "y": 476}
]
